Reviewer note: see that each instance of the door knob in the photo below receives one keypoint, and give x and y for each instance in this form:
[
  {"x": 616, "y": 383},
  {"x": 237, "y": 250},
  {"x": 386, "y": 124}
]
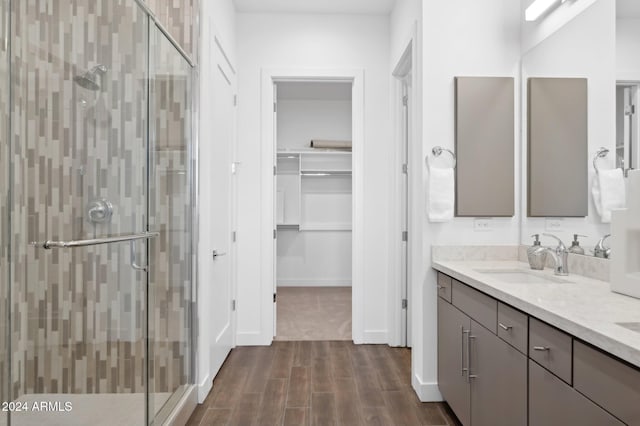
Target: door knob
[{"x": 217, "y": 253}]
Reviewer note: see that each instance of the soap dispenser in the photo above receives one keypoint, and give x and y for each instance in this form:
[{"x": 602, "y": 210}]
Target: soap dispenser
[
  {"x": 575, "y": 245},
  {"x": 536, "y": 254}
]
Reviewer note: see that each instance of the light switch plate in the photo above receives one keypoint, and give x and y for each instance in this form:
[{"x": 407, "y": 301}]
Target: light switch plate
[
  {"x": 481, "y": 225},
  {"x": 553, "y": 225}
]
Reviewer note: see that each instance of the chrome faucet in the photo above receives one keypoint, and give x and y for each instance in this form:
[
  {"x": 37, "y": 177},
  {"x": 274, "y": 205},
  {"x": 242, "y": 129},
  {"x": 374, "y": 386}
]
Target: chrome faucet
[
  {"x": 600, "y": 250},
  {"x": 560, "y": 256}
]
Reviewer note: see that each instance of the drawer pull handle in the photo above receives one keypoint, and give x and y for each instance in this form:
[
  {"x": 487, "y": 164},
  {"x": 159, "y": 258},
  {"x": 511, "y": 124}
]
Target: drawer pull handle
[
  {"x": 463, "y": 368},
  {"x": 541, "y": 348},
  {"x": 440, "y": 287},
  {"x": 469, "y": 375},
  {"x": 505, "y": 327}
]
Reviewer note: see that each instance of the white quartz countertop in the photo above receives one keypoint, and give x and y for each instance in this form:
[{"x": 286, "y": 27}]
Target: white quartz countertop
[{"x": 581, "y": 306}]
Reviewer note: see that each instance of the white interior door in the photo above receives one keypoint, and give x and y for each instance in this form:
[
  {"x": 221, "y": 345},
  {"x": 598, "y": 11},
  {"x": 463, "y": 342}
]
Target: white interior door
[
  {"x": 275, "y": 208},
  {"x": 627, "y": 121},
  {"x": 219, "y": 187},
  {"x": 632, "y": 152},
  {"x": 404, "y": 216}
]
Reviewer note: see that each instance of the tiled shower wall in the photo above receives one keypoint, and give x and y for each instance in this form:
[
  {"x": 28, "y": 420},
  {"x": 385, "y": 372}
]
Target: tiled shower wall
[
  {"x": 178, "y": 16},
  {"x": 4, "y": 225},
  {"x": 78, "y": 314}
]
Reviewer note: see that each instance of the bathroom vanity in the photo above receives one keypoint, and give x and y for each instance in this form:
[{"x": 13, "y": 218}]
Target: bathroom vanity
[{"x": 518, "y": 347}]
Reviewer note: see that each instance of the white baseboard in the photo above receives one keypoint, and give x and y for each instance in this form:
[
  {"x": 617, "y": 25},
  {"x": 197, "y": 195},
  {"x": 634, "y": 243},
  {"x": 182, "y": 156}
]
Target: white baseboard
[
  {"x": 251, "y": 339},
  {"x": 375, "y": 337},
  {"x": 204, "y": 387},
  {"x": 313, "y": 283},
  {"x": 427, "y": 392}
]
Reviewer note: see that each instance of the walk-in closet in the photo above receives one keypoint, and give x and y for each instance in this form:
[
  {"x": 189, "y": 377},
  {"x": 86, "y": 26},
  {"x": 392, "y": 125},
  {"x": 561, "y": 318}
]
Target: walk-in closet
[{"x": 313, "y": 210}]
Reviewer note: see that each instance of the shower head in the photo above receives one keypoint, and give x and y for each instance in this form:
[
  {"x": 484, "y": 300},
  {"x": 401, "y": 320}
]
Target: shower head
[{"x": 89, "y": 79}]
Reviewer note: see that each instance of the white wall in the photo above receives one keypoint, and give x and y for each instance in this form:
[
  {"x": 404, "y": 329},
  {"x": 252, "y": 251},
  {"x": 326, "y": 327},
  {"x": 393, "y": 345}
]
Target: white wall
[
  {"x": 460, "y": 38},
  {"x": 223, "y": 16},
  {"x": 584, "y": 47},
  {"x": 217, "y": 21},
  {"x": 314, "y": 259},
  {"x": 299, "y": 121},
  {"x": 628, "y": 49},
  {"x": 405, "y": 15},
  {"x": 321, "y": 42}
]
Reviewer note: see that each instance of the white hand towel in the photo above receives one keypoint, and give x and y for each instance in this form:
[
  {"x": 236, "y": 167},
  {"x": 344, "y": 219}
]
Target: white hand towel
[
  {"x": 608, "y": 192},
  {"x": 441, "y": 194}
]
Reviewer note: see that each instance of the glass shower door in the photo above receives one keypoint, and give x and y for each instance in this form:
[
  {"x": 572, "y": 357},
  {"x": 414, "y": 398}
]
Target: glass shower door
[
  {"x": 170, "y": 214},
  {"x": 79, "y": 221}
]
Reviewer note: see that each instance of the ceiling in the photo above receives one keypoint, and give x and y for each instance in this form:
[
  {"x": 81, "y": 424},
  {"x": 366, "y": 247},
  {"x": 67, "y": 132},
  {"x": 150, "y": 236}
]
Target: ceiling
[
  {"x": 628, "y": 8},
  {"x": 366, "y": 7}
]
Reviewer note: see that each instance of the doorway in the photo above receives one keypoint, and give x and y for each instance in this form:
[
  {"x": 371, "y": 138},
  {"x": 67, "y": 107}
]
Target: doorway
[
  {"x": 627, "y": 123},
  {"x": 313, "y": 210},
  {"x": 268, "y": 267},
  {"x": 404, "y": 107}
]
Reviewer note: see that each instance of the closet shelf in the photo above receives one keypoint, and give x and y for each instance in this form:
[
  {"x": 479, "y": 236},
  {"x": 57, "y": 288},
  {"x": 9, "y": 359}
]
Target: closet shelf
[
  {"x": 313, "y": 151},
  {"x": 294, "y": 226},
  {"x": 325, "y": 172}
]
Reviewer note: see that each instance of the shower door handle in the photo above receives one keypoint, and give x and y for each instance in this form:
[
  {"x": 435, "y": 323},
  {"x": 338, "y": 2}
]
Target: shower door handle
[
  {"x": 48, "y": 245},
  {"x": 134, "y": 262}
]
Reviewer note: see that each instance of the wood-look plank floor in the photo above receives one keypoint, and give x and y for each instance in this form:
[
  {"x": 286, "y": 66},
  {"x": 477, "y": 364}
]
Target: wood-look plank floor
[{"x": 317, "y": 383}]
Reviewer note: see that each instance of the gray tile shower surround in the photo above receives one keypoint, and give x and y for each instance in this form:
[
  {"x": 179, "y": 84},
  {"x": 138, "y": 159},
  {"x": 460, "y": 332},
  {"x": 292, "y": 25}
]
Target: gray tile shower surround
[{"x": 71, "y": 332}]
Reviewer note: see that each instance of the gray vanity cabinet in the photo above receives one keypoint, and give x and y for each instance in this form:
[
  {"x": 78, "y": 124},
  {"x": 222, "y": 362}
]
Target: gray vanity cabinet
[
  {"x": 498, "y": 366},
  {"x": 453, "y": 327},
  {"x": 483, "y": 378},
  {"x": 552, "y": 402},
  {"x": 608, "y": 382},
  {"x": 499, "y": 380}
]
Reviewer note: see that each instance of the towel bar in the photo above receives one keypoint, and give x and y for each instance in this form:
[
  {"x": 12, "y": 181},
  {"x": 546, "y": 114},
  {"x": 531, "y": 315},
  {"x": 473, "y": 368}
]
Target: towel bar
[
  {"x": 438, "y": 150},
  {"x": 601, "y": 153}
]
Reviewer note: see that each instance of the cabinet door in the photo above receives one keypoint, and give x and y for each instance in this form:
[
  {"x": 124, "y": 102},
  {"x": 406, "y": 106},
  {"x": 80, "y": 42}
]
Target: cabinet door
[
  {"x": 452, "y": 359},
  {"x": 554, "y": 403},
  {"x": 498, "y": 380}
]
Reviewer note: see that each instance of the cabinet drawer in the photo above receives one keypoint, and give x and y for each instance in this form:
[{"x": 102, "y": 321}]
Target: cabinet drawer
[
  {"x": 550, "y": 348},
  {"x": 608, "y": 382},
  {"x": 513, "y": 327},
  {"x": 554, "y": 403},
  {"x": 444, "y": 286},
  {"x": 478, "y": 306}
]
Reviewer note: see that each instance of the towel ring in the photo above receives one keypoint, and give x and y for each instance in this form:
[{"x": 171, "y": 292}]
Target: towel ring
[
  {"x": 438, "y": 150},
  {"x": 601, "y": 153}
]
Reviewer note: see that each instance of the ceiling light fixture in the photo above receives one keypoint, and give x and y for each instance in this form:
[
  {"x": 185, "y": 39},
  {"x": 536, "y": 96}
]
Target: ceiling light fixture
[{"x": 538, "y": 8}]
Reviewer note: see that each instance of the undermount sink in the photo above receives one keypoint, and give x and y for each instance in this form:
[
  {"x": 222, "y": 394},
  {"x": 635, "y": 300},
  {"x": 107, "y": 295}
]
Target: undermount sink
[
  {"x": 633, "y": 326},
  {"x": 521, "y": 276}
]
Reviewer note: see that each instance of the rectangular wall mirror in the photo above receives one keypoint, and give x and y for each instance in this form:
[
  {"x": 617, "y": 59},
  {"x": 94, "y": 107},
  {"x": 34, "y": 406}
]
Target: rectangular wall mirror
[
  {"x": 484, "y": 134},
  {"x": 584, "y": 47},
  {"x": 557, "y": 147}
]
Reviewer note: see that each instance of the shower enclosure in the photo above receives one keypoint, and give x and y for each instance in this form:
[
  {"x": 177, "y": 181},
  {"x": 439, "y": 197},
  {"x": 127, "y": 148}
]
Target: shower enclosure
[{"x": 96, "y": 199}]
